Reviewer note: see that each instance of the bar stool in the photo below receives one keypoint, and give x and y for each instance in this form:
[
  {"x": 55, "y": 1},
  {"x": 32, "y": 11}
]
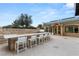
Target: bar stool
[
  {"x": 32, "y": 41},
  {"x": 21, "y": 44},
  {"x": 28, "y": 42},
  {"x": 45, "y": 37},
  {"x": 41, "y": 38},
  {"x": 48, "y": 36},
  {"x": 25, "y": 41},
  {"x": 38, "y": 39}
]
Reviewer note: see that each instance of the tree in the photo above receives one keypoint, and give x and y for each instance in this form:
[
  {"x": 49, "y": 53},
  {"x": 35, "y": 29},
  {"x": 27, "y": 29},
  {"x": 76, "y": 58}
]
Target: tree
[
  {"x": 32, "y": 27},
  {"x": 15, "y": 24},
  {"x": 27, "y": 20},
  {"x": 21, "y": 20},
  {"x": 40, "y": 26},
  {"x": 24, "y": 21},
  {"x": 8, "y": 26}
]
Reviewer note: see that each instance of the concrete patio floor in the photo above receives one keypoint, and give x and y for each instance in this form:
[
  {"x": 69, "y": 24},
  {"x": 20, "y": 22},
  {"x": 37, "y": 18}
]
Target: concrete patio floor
[{"x": 57, "y": 46}]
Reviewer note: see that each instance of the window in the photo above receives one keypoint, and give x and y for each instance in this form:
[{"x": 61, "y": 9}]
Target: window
[
  {"x": 69, "y": 29},
  {"x": 76, "y": 29},
  {"x": 46, "y": 30},
  {"x": 50, "y": 29},
  {"x": 66, "y": 29}
]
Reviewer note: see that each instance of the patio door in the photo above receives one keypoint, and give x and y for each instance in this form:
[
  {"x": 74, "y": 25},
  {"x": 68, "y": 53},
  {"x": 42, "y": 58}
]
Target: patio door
[
  {"x": 54, "y": 30},
  {"x": 57, "y": 31}
]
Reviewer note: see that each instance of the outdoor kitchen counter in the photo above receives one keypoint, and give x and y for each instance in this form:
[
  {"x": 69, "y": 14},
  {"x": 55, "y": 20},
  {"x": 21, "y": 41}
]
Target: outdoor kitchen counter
[
  {"x": 16, "y": 36},
  {"x": 15, "y": 40}
]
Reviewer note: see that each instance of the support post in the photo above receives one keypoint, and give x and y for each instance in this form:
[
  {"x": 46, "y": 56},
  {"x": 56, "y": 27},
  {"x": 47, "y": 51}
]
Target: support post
[
  {"x": 57, "y": 29},
  {"x": 62, "y": 30}
]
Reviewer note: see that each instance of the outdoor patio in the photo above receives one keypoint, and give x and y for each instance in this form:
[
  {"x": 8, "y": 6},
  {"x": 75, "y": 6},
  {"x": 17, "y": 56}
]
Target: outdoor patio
[{"x": 58, "y": 46}]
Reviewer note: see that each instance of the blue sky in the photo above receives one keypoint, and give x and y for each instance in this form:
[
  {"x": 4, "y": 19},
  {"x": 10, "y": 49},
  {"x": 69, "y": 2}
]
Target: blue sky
[{"x": 42, "y": 12}]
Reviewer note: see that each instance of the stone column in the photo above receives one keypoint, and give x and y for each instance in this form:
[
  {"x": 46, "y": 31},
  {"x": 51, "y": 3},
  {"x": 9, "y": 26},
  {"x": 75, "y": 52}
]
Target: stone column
[
  {"x": 44, "y": 28},
  {"x": 73, "y": 29},
  {"x": 9, "y": 44},
  {"x": 62, "y": 30},
  {"x": 48, "y": 28},
  {"x": 78, "y": 28},
  {"x": 52, "y": 30},
  {"x": 57, "y": 29}
]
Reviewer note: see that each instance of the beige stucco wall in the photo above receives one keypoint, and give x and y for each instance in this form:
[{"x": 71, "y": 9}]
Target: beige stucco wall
[
  {"x": 15, "y": 31},
  {"x": 68, "y": 23},
  {"x": 72, "y": 34}
]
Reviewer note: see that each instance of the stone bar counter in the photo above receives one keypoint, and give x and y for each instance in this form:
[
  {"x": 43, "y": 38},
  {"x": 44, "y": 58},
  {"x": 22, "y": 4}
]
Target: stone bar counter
[{"x": 20, "y": 43}]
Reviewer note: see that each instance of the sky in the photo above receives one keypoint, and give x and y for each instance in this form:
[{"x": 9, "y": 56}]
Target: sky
[{"x": 40, "y": 12}]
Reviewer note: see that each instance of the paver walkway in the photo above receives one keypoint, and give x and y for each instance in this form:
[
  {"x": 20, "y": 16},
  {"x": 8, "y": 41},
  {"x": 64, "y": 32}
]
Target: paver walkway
[{"x": 58, "y": 46}]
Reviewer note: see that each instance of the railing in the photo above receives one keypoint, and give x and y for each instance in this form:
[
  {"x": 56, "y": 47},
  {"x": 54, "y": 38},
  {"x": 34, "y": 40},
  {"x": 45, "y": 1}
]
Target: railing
[{"x": 28, "y": 40}]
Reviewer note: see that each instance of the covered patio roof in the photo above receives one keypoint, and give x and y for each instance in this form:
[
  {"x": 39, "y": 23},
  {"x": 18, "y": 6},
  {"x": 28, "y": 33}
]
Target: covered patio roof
[{"x": 62, "y": 21}]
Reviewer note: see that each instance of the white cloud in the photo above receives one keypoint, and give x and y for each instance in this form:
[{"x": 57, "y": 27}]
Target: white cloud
[
  {"x": 70, "y": 5},
  {"x": 7, "y": 18},
  {"x": 68, "y": 9},
  {"x": 47, "y": 14},
  {"x": 69, "y": 12},
  {"x": 47, "y": 11},
  {"x": 44, "y": 15}
]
